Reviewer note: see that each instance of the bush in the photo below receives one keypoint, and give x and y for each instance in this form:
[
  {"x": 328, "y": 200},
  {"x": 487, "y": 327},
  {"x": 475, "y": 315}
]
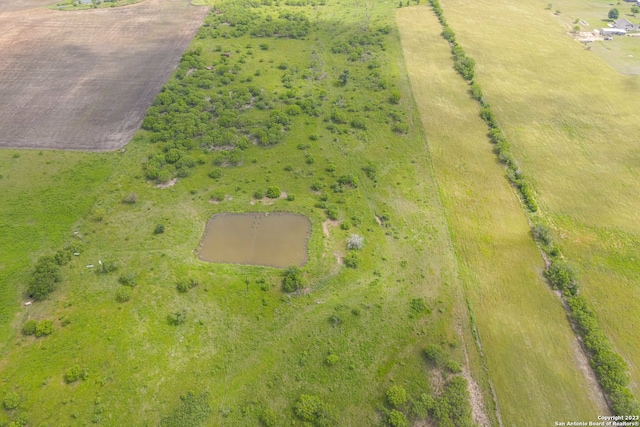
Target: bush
[
  {"x": 258, "y": 194},
  {"x": 218, "y": 195},
  {"x": 269, "y": 418},
  {"x": 397, "y": 419},
  {"x": 44, "y": 278},
  {"x": 106, "y": 267},
  {"x": 562, "y": 277},
  {"x": 63, "y": 256},
  {"x": 74, "y": 373},
  {"x": 542, "y": 234},
  {"x": 29, "y": 327},
  {"x": 273, "y": 192},
  {"x": 355, "y": 241},
  {"x": 11, "y": 400},
  {"x": 394, "y": 98},
  {"x": 332, "y": 212},
  {"x": 186, "y": 285},
  {"x": 291, "y": 197},
  {"x": 127, "y": 279},
  {"x": 292, "y": 280},
  {"x": 352, "y": 260},
  {"x": 159, "y": 229},
  {"x": 312, "y": 409},
  {"x": 215, "y": 174},
  {"x": 124, "y": 294},
  {"x": 44, "y": 327},
  {"x": 131, "y": 198},
  {"x": 396, "y": 396},
  {"x": 177, "y": 317},
  {"x": 332, "y": 359}
]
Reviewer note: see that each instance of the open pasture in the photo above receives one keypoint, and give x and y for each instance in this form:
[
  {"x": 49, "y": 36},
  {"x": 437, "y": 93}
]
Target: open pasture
[
  {"x": 83, "y": 80},
  {"x": 573, "y": 128},
  {"x": 531, "y": 353}
]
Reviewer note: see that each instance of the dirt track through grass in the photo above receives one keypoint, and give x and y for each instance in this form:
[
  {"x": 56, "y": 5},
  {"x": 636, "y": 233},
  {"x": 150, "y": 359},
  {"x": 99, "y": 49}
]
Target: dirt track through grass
[
  {"x": 525, "y": 335},
  {"x": 83, "y": 80}
]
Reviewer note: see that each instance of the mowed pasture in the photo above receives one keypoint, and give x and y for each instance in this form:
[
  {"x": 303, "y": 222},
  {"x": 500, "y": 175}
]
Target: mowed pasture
[
  {"x": 83, "y": 80},
  {"x": 574, "y": 129},
  {"x": 531, "y": 353}
]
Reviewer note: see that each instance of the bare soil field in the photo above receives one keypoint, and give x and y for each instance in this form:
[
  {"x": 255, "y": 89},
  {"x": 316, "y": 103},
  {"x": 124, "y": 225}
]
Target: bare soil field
[{"x": 83, "y": 80}]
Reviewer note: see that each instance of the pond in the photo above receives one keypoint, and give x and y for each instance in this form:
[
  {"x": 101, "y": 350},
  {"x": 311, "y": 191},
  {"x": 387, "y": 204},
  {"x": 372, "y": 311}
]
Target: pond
[{"x": 277, "y": 239}]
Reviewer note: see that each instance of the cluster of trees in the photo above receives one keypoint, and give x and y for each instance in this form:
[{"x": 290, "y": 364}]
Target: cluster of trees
[
  {"x": 289, "y": 24},
  {"x": 610, "y": 367}
]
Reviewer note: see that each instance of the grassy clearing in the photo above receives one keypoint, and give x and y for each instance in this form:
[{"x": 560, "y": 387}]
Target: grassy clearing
[
  {"x": 521, "y": 323},
  {"x": 577, "y": 150},
  {"x": 44, "y": 194},
  {"x": 234, "y": 339}
]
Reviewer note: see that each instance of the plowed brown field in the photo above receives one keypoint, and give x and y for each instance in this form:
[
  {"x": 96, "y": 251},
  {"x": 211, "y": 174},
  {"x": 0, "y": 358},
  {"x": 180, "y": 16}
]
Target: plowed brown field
[{"x": 83, "y": 80}]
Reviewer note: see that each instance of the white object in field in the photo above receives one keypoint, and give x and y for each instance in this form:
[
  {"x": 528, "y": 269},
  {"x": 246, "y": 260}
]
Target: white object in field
[
  {"x": 90, "y": 266},
  {"x": 76, "y": 253},
  {"x": 27, "y": 303}
]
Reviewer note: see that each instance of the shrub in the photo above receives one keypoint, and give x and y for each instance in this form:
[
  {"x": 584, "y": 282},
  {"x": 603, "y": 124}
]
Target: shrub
[
  {"x": 127, "y": 279},
  {"x": 332, "y": 212},
  {"x": 131, "y": 198},
  {"x": 358, "y": 123},
  {"x": 291, "y": 197},
  {"x": 29, "y": 327},
  {"x": 542, "y": 234},
  {"x": 44, "y": 327},
  {"x": 73, "y": 374},
  {"x": 215, "y": 174},
  {"x": 186, "y": 285},
  {"x": 273, "y": 192},
  {"x": 400, "y": 128},
  {"x": 269, "y": 418},
  {"x": 44, "y": 278},
  {"x": 177, "y": 317},
  {"x": 124, "y": 294},
  {"x": 312, "y": 409},
  {"x": 292, "y": 280},
  {"x": 352, "y": 260},
  {"x": 159, "y": 229},
  {"x": 106, "y": 267},
  {"x": 258, "y": 194},
  {"x": 11, "y": 400},
  {"x": 435, "y": 354},
  {"x": 63, "y": 256},
  {"x": 218, "y": 195},
  {"x": 397, "y": 419},
  {"x": 332, "y": 359},
  {"x": 396, "y": 396},
  {"x": 394, "y": 98},
  {"x": 562, "y": 277},
  {"x": 355, "y": 241}
]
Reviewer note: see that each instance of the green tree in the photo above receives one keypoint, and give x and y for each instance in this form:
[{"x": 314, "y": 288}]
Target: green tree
[
  {"x": 273, "y": 192},
  {"x": 635, "y": 10},
  {"x": 44, "y": 278},
  {"x": 614, "y": 13},
  {"x": 292, "y": 280}
]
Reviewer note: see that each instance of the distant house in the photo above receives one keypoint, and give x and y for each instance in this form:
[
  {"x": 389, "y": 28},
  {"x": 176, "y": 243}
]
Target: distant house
[{"x": 624, "y": 24}]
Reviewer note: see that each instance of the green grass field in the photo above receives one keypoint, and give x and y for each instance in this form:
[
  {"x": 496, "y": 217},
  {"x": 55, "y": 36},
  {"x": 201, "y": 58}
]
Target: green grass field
[
  {"x": 572, "y": 129},
  {"x": 528, "y": 343},
  {"x": 245, "y": 345}
]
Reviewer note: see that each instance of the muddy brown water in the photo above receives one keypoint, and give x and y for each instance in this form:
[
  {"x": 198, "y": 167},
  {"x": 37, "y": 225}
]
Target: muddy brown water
[{"x": 271, "y": 239}]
